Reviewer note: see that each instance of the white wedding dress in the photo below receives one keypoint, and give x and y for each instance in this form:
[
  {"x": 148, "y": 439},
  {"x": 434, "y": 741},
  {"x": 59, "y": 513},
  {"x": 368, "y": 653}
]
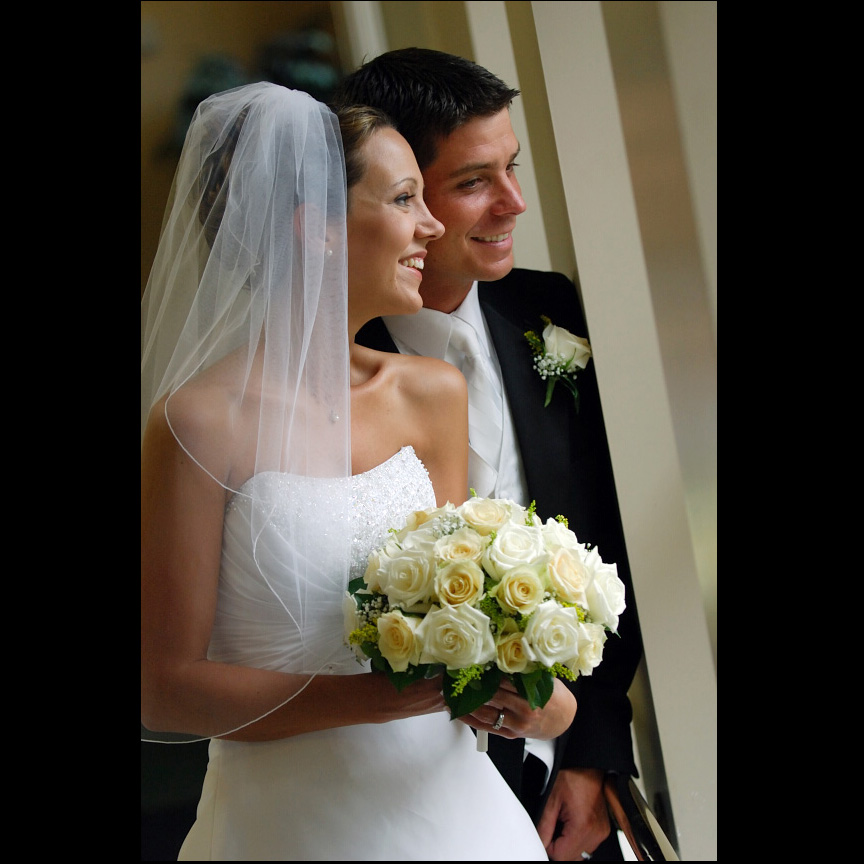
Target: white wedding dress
[{"x": 414, "y": 789}]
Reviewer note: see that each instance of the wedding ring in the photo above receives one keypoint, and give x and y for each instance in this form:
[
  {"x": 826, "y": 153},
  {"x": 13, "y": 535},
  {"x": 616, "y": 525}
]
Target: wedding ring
[
  {"x": 586, "y": 856},
  {"x": 499, "y": 723}
]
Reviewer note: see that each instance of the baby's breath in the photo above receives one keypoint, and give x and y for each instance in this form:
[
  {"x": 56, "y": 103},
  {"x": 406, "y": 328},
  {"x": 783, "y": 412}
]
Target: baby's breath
[
  {"x": 448, "y": 523},
  {"x": 371, "y": 610},
  {"x": 550, "y": 367}
]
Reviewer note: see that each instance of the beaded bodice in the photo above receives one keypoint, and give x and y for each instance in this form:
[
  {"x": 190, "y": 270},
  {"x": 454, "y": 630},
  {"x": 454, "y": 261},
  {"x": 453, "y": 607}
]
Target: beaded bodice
[{"x": 280, "y": 598}]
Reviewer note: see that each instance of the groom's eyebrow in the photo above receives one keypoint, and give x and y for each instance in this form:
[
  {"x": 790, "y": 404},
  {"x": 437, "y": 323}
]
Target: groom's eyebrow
[{"x": 471, "y": 167}]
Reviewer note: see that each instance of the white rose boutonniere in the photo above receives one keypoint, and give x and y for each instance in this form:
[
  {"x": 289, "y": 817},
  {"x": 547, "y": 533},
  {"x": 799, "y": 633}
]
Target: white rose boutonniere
[
  {"x": 558, "y": 356},
  {"x": 481, "y": 592}
]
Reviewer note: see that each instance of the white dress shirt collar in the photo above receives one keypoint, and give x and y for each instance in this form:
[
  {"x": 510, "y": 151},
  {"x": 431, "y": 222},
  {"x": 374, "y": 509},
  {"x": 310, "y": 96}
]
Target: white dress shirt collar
[{"x": 427, "y": 332}]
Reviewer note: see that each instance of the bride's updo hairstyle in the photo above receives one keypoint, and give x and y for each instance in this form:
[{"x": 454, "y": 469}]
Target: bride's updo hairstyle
[
  {"x": 213, "y": 174},
  {"x": 358, "y": 124}
]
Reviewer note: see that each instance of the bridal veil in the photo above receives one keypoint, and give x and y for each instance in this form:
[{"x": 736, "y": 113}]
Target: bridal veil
[{"x": 244, "y": 321}]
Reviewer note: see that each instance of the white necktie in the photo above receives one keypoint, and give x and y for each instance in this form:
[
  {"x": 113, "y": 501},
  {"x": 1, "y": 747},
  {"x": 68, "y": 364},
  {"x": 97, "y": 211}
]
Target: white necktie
[{"x": 484, "y": 409}]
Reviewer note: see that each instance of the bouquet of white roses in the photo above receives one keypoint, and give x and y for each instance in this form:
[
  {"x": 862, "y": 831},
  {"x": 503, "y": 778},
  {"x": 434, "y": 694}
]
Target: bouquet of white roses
[{"x": 481, "y": 591}]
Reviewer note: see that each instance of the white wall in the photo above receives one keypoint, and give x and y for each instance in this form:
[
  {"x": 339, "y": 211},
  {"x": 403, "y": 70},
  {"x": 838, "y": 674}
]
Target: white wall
[{"x": 616, "y": 293}]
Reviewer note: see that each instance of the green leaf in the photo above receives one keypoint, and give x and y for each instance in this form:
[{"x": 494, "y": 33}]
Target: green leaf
[
  {"x": 356, "y": 584},
  {"x": 535, "y": 687},
  {"x": 571, "y": 386},
  {"x": 413, "y": 673},
  {"x": 550, "y": 386},
  {"x": 475, "y": 694}
]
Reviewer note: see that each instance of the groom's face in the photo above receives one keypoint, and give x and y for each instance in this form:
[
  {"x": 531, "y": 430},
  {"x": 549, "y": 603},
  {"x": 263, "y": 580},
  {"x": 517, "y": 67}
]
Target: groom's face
[{"x": 471, "y": 188}]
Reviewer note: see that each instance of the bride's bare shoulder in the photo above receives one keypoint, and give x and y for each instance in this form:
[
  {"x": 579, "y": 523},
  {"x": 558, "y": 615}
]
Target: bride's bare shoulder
[
  {"x": 418, "y": 377},
  {"x": 429, "y": 378}
]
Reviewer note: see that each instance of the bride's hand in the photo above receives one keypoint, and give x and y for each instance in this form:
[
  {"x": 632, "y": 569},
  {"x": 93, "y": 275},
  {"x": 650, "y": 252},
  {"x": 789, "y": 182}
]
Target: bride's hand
[
  {"x": 520, "y": 720},
  {"x": 421, "y": 697}
]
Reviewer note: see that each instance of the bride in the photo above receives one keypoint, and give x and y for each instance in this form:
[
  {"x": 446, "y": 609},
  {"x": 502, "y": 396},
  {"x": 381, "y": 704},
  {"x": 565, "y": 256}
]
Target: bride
[{"x": 276, "y": 454}]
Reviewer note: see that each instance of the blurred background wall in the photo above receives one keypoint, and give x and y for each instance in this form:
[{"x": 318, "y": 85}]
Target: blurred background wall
[
  {"x": 192, "y": 49},
  {"x": 617, "y": 122}
]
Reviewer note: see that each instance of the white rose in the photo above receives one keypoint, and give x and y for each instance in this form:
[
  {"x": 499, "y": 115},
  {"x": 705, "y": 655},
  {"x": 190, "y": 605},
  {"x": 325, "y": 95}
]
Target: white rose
[
  {"x": 422, "y": 517},
  {"x": 459, "y": 582},
  {"x": 407, "y": 579},
  {"x": 465, "y": 543},
  {"x": 373, "y": 567},
  {"x": 514, "y": 545},
  {"x": 422, "y": 538},
  {"x": 486, "y": 515},
  {"x": 397, "y": 639},
  {"x": 520, "y": 590},
  {"x": 592, "y": 638},
  {"x": 552, "y": 634},
  {"x": 419, "y": 531},
  {"x": 556, "y": 534},
  {"x": 457, "y": 636},
  {"x": 605, "y": 594},
  {"x": 352, "y": 621},
  {"x": 562, "y": 344},
  {"x": 569, "y": 577}
]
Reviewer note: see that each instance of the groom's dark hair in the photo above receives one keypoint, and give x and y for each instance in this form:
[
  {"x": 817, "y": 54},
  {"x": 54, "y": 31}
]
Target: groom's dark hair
[{"x": 428, "y": 94}]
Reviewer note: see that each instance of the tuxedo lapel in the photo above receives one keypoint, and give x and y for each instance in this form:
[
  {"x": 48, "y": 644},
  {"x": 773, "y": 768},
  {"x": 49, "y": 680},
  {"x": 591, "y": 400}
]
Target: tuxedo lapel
[
  {"x": 542, "y": 432},
  {"x": 375, "y": 335},
  {"x": 545, "y": 435}
]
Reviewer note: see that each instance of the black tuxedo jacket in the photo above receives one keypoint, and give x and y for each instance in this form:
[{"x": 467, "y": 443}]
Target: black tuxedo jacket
[{"x": 569, "y": 472}]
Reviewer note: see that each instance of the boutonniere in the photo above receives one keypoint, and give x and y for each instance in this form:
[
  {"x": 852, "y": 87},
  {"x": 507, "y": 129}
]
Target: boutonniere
[{"x": 558, "y": 356}]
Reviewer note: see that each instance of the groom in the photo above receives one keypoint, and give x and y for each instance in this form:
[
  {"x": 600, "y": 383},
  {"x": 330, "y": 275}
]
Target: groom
[{"x": 455, "y": 115}]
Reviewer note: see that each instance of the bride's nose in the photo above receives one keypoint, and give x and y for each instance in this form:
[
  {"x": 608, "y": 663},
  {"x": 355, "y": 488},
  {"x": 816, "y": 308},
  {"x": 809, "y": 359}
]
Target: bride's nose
[{"x": 428, "y": 226}]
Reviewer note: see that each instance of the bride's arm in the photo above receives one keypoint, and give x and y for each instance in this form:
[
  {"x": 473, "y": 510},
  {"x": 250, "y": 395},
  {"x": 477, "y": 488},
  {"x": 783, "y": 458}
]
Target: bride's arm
[
  {"x": 182, "y": 510},
  {"x": 345, "y": 700}
]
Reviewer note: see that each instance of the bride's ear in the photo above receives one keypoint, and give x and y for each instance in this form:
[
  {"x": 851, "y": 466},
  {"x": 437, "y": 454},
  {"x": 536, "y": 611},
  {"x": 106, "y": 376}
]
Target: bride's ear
[{"x": 307, "y": 217}]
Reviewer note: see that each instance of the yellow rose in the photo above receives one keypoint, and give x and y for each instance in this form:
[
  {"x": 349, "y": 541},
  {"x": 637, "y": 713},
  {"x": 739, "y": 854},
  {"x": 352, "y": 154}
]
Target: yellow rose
[
  {"x": 512, "y": 656},
  {"x": 569, "y": 576},
  {"x": 397, "y": 639},
  {"x": 459, "y": 582},
  {"x": 461, "y": 544},
  {"x": 486, "y": 515},
  {"x": 520, "y": 590},
  {"x": 420, "y": 517}
]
